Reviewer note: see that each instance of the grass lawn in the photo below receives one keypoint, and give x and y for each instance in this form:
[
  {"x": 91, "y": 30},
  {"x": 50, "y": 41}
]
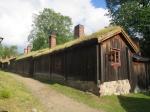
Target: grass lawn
[
  {"x": 15, "y": 97},
  {"x": 139, "y": 102}
]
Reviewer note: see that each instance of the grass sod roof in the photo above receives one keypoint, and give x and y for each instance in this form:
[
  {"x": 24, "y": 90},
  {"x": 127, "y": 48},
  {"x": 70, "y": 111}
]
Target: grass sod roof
[
  {"x": 101, "y": 35},
  {"x": 79, "y": 40},
  {"x": 7, "y": 60},
  {"x": 30, "y": 54}
]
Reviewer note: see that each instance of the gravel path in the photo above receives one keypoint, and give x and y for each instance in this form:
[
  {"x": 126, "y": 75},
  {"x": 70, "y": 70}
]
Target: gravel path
[{"x": 51, "y": 99}]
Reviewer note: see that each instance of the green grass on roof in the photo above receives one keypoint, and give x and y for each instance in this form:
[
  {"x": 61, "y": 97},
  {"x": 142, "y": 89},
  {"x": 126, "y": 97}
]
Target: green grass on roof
[
  {"x": 69, "y": 44},
  {"x": 5, "y": 60},
  {"x": 82, "y": 39},
  {"x": 30, "y": 54}
]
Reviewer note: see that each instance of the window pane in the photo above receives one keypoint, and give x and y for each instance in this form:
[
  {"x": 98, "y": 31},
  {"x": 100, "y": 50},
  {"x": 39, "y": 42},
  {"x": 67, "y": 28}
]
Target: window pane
[{"x": 114, "y": 57}]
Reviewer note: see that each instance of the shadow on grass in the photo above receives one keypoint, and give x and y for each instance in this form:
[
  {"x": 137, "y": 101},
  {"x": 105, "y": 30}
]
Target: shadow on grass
[
  {"x": 146, "y": 93},
  {"x": 50, "y": 81},
  {"x": 46, "y": 81},
  {"x": 43, "y": 80},
  {"x": 136, "y": 104},
  {"x": 67, "y": 83}
]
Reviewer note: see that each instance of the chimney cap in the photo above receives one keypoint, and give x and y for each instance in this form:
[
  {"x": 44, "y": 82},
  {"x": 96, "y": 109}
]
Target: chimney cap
[
  {"x": 52, "y": 35},
  {"x": 79, "y": 25},
  {"x": 29, "y": 45}
]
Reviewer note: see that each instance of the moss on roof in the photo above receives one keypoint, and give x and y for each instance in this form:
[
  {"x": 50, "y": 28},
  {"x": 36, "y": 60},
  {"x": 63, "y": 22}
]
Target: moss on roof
[
  {"x": 12, "y": 58},
  {"x": 69, "y": 44},
  {"x": 5, "y": 60},
  {"x": 79, "y": 40},
  {"x": 30, "y": 54}
]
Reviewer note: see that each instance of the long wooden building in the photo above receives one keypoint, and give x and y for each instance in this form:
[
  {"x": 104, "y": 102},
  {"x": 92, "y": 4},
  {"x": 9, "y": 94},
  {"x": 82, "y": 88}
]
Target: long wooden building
[{"x": 105, "y": 56}]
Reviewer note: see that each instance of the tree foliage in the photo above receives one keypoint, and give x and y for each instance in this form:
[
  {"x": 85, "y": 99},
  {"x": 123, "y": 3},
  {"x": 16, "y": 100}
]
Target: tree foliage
[
  {"x": 133, "y": 16},
  {"x": 49, "y": 22},
  {"x": 7, "y": 51}
]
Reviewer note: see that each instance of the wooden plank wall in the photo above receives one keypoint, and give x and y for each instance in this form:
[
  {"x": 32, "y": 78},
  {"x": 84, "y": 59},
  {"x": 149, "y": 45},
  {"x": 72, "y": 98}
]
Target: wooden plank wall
[
  {"x": 111, "y": 73},
  {"x": 42, "y": 65},
  {"x": 138, "y": 76},
  {"x": 5, "y": 66},
  {"x": 20, "y": 66},
  {"x": 0, "y": 64},
  {"x": 24, "y": 66},
  {"x": 81, "y": 63},
  {"x": 57, "y": 71},
  {"x": 12, "y": 65}
]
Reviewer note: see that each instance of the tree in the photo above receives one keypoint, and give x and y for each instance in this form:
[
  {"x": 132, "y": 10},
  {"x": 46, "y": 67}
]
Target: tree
[
  {"x": 7, "y": 51},
  {"x": 133, "y": 16},
  {"x": 49, "y": 22},
  {"x": 13, "y": 50}
]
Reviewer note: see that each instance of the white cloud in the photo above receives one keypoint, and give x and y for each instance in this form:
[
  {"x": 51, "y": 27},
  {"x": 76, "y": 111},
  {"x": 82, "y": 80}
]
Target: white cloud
[{"x": 16, "y": 17}]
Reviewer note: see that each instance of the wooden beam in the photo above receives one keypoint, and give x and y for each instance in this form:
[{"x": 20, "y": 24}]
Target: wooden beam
[
  {"x": 97, "y": 61},
  {"x": 128, "y": 63},
  {"x": 101, "y": 64},
  {"x": 34, "y": 73},
  {"x": 65, "y": 66},
  {"x": 50, "y": 64},
  {"x": 147, "y": 75}
]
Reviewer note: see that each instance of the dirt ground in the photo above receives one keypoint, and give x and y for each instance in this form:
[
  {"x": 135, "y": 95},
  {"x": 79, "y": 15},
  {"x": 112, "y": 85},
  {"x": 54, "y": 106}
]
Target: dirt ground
[{"x": 52, "y": 100}]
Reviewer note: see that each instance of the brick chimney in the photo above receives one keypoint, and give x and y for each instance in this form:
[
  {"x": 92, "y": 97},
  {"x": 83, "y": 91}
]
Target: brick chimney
[
  {"x": 78, "y": 31},
  {"x": 25, "y": 51},
  {"x": 11, "y": 56},
  {"x": 52, "y": 41},
  {"x": 28, "y": 49},
  {"x": 1, "y": 58}
]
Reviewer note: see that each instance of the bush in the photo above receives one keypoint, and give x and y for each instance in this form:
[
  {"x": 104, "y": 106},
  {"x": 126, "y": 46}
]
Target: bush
[{"x": 5, "y": 94}]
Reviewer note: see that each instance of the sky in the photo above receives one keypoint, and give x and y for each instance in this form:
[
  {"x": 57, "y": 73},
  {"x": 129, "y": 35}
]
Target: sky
[{"x": 16, "y": 17}]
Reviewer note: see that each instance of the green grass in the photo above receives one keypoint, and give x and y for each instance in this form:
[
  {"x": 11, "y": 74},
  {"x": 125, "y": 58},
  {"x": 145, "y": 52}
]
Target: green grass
[
  {"x": 125, "y": 103},
  {"x": 4, "y": 94},
  {"x": 15, "y": 97}
]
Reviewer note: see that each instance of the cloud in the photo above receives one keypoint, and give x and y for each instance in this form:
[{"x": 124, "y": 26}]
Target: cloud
[
  {"x": 81, "y": 12},
  {"x": 16, "y": 17},
  {"x": 15, "y": 21}
]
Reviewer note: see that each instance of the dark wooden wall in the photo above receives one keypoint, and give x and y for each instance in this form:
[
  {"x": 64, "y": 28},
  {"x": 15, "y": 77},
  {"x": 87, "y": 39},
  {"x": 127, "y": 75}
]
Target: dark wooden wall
[
  {"x": 75, "y": 64},
  {"x": 112, "y": 73},
  {"x": 57, "y": 65},
  {"x": 0, "y": 64},
  {"x": 25, "y": 66},
  {"x": 12, "y": 65},
  {"x": 139, "y": 75},
  {"x": 81, "y": 63},
  {"x": 42, "y": 65},
  {"x": 5, "y": 65}
]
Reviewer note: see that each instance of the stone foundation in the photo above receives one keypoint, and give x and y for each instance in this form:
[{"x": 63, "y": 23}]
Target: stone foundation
[
  {"x": 115, "y": 87},
  {"x": 86, "y": 86}
]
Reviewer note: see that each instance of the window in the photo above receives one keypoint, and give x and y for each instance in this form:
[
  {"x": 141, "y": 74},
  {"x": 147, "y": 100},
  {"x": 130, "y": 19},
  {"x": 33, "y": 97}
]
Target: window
[
  {"x": 115, "y": 43},
  {"x": 57, "y": 63},
  {"x": 114, "y": 57}
]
